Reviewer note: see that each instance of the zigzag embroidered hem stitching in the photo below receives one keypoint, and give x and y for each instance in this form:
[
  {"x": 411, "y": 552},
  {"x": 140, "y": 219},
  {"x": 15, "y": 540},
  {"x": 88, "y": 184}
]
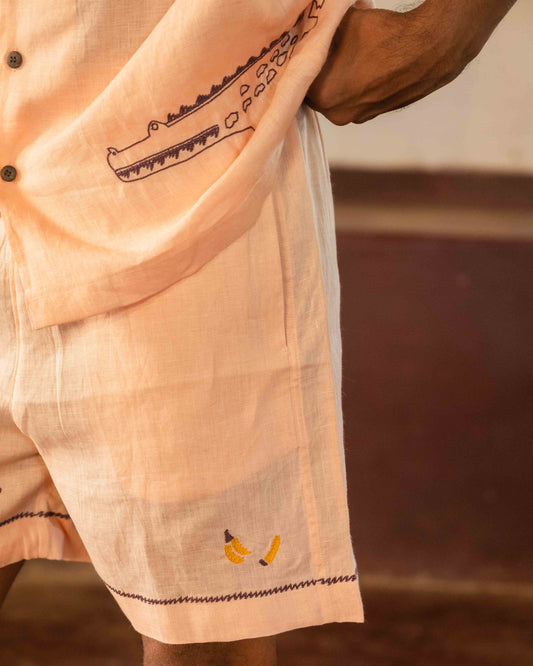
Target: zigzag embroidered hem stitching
[
  {"x": 35, "y": 514},
  {"x": 256, "y": 613},
  {"x": 236, "y": 595}
]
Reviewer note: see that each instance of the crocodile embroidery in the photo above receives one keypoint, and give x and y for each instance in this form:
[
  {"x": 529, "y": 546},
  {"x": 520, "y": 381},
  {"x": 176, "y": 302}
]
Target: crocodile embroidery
[{"x": 179, "y": 139}]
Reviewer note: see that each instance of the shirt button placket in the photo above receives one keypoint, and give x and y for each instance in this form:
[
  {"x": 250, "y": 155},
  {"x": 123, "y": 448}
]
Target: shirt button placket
[{"x": 14, "y": 60}]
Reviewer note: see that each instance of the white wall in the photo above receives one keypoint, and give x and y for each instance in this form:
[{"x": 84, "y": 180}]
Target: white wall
[{"x": 482, "y": 120}]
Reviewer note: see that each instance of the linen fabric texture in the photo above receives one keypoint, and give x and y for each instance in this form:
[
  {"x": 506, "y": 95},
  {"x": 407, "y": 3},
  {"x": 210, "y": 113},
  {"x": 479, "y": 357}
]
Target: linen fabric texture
[
  {"x": 170, "y": 345},
  {"x": 145, "y": 136}
]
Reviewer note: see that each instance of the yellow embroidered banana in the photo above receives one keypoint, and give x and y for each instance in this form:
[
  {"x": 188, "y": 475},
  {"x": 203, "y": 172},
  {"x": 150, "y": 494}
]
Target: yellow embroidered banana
[
  {"x": 233, "y": 541},
  {"x": 272, "y": 552}
]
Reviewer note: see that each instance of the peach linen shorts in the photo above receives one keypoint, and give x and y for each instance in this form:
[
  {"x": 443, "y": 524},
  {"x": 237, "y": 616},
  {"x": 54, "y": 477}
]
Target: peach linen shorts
[{"x": 188, "y": 445}]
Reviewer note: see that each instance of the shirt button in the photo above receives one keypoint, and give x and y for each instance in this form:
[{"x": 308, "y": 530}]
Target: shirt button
[
  {"x": 8, "y": 172},
  {"x": 14, "y": 59}
]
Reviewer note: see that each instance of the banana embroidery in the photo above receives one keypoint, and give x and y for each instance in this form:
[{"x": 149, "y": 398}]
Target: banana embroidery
[
  {"x": 241, "y": 550},
  {"x": 272, "y": 552},
  {"x": 233, "y": 541}
]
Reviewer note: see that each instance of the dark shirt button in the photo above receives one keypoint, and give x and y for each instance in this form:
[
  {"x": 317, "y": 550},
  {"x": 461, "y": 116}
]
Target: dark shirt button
[
  {"x": 14, "y": 59},
  {"x": 8, "y": 172}
]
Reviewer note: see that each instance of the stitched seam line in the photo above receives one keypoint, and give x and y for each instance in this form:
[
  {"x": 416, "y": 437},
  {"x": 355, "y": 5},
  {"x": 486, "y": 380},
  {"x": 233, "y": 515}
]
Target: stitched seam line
[
  {"x": 58, "y": 347},
  {"x": 17, "y": 327},
  {"x": 237, "y": 595},
  {"x": 295, "y": 369},
  {"x": 35, "y": 514}
]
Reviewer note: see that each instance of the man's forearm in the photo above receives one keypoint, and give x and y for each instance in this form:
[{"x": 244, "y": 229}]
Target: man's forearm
[
  {"x": 383, "y": 60},
  {"x": 476, "y": 19}
]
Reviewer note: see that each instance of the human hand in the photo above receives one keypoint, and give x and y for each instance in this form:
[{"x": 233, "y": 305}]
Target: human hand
[{"x": 381, "y": 60}]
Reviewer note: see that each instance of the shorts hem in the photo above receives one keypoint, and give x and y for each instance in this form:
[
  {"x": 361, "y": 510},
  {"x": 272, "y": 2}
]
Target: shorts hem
[
  {"x": 244, "y": 614},
  {"x": 47, "y": 536}
]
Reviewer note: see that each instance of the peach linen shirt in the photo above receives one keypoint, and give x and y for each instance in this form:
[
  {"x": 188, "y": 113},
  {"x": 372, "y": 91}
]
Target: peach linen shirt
[{"x": 144, "y": 137}]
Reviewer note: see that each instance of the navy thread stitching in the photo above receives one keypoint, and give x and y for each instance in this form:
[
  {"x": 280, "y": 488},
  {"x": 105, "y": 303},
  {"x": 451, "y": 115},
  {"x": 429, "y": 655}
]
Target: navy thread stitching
[
  {"x": 226, "y": 597},
  {"x": 236, "y": 595},
  {"x": 32, "y": 514},
  {"x": 154, "y": 162}
]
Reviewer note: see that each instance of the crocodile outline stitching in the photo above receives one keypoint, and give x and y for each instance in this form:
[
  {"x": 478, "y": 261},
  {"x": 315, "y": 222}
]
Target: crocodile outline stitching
[{"x": 178, "y": 140}]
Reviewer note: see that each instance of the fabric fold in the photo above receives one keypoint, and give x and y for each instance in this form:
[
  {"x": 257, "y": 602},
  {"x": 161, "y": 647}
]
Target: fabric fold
[{"x": 160, "y": 156}]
